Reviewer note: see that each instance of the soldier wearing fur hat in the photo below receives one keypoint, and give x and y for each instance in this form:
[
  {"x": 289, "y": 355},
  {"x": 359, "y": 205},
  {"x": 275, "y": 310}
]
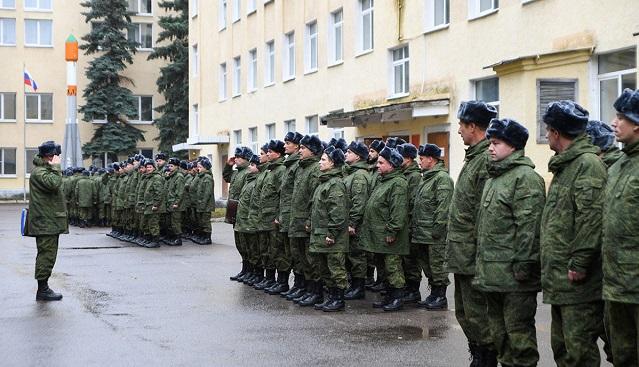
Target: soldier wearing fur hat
[
  {"x": 602, "y": 136},
  {"x": 85, "y": 198},
  {"x": 141, "y": 236},
  {"x": 235, "y": 178},
  {"x": 470, "y": 304},
  {"x": 47, "y": 215},
  {"x": 204, "y": 200},
  {"x": 571, "y": 237},
  {"x": 374, "y": 261},
  {"x": 260, "y": 246},
  {"x": 620, "y": 242},
  {"x": 175, "y": 204},
  {"x": 508, "y": 269},
  {"x": 188, "y": 217},
  {"x": 116, "y": 203},
  {"x": 130, "y": 193},
  {"x": 244, "y": 227},
  {"x": 429, "y": 222},
  {"x": 384, "y": 225}
]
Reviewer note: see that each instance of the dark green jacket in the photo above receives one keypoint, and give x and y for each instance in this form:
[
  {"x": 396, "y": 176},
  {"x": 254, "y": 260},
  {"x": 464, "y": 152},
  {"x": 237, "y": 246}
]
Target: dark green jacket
[
  {"x": 358, "y": 183},
  {"x": 153, "y": 196},
  {"x": 256, "y": 203},
  {"x": 235, "y": 178},
  {"x": 204, "y": 196},
  {"x": 329, "y": 214},
  {"x": 140, "y": 204},
  {"x": 621, "y": 229},
  {"x": 286, "y": 191},
  {"x": 610, "y": 156},
  {"x": 131, "y": 189},
  {"x": 85, "y": 194},
  {"x": 413, "y": 177},
  {"x": 462, "y": 216},
  {"x": 186, "y": 199},
  {"x": 175, "y": 192},
  {"x": 47, "y": 209},
  {"x": 372, "y": 168},
  {"x": 429, "y": 219},
  {"x": 117, "y": 195},
  {"x": 385, "y": 215},
  {"x": 508, "y": 227},
  {"x": 242, "y": 222},
  {"x": 270, "y": 195},
  {"x": 306, "y": 181},
  {"x": 571, "y": 225}
]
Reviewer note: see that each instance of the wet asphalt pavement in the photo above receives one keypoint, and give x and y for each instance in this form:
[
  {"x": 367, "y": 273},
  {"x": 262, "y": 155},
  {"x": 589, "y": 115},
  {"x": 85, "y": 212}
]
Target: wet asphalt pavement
[{"x": 175, "y": 306}]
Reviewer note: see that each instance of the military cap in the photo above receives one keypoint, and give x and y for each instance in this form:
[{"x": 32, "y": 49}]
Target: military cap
[
  {"x": 174, "y": 161},
  {"x": 510, "y": 131},
  {"x": 276, "y": 146},
  {"x": 393, "y": 142},
  {"x": 161, "y": 156},
  {"x": 358, "y": 148},
  {"x": 205, "y": 163},
  {"x": 130, "y": 160},
  {"x": 293, "y": 137},
  {"x": 313, "y": 143},
  {"x": 200, "y": 158},
  {"x": 628, "y": 104},
  {"x": 49, "y": 148},
  {"x": 335, "y": 154},
  {"x": 341, "y": 144},
  {"x": 115, "y": 166},
  {"x": 478, "y": 112},
  {"x": 377, "y": 145},
  {"x": 566, "y": 116},
  {"x": 601, "y": 134},
  {"x": 86, "y": 172},
  {"x": 149, "y": 162},
  {"x": 255, "y": 159},
  {"x": 139, "y": 157},
  {"x": 101, "y": 170},
  {"x": 392, "y": 156},
  {"x": 78, "y": 169},
  {"x": 184, "y": 164},
  {"x": 238, "y": 151},
  {"x": 264, "y": 148},
  {"x": 110, "y": 170},
  {"x": 430, "y": 150},
  {"x": 407, "y": 150}
]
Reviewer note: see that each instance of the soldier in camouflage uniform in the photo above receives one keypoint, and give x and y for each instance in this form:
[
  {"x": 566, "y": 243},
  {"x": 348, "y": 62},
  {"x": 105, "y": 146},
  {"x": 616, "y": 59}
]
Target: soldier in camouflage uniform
[
  {"x": 116, "y": 204},
  {"x": 620, "y": 241},
  {"x": 602, "y": 136},
  {"x": 243, "y": 226},
  {"x": 235, "y": 178},
  {"x": 174, "y": 190},
  {"x": 373, "y": 261},
  {"x": 429, "y": 221},
  {"x": 85, "y": 198},
  {"x": 260, "y": 241},
  {"x": 571, "y": 237},
  {"x": 204, "y": 200},
  {"x": 71, "y": 199},
  {"x": 470, "y": 304},
  {"x": 161, "y": 167},
  {"x": 130, "y": 199},
  {"x": 508, "y": 269},
  {"x": 154, "y": 204},
  {"x": 142, "y": 237}
]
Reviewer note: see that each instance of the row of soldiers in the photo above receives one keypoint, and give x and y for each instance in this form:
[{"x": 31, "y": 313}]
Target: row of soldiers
[{"x": 322, "y": 211}]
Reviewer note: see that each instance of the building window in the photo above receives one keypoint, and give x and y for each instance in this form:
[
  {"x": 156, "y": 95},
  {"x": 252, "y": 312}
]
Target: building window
[
  {"x": 478, "y": 8},
  {"x": 195, "y": 60},
  {"x": 38, "y": 32},
  {"x": 251, "y": 6},
  {"x": 237, "y": 76},
  {"x": 195, "y": 122},
  {"x": 366, "y": 25},
  {"x": 400, "y": 71},
  {"x": 310, "y": 50},
  {"x": 270, "y": 132},
  {"x": 289, "y": 126},
  {"x": 550, "y": 90},
  {"x": 7, "y": 32},
  {"x": 237, "y": 137},
  {"x": 7, "y": 4},
  {"x": 312, "y": 125},
  {"x": 39, "y": 107},
  {"x": 236, "y": 10},
  {"x": 146, "y": 152},
  {"x": 616, "y": 71},
  {"x": 253, "y": 139},
  {"x": 269, "y": 75},
  {"x": 194, "y": 8},
  {"x": 29, "y": 154},
  {"x": 252, "y": 72},
  {"x": 289, "y": 56},
  {"x": 144, "y": 109},
  {"x": 140, "y": 7},
  {"x": 7, "y": 106},
  {"x": 142, "y": 33},
  {"x": 222, "y": 91},
  {"x": 7, "y": 161},
  {"x": 37, "y": 5},
  {"x": 487, "y": 90},
  {"x": 221, "y": 16},
  {"x": 437, "y": 14},
  {"x": 338, "y": 133},
  {"x": 335, "y": 37}
]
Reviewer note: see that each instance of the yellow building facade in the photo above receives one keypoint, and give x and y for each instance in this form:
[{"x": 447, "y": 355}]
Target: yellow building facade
[
  {"x": 366, "y": 69},
  {"x": 32, "y": 36}
]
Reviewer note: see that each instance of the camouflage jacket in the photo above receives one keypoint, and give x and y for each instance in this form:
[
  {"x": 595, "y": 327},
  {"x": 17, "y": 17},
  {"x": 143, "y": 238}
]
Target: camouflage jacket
[
  {"x": 175, "y": 192},
  {"x": 610, "y": 156},
  {"x": 429, "y": 219},
  {"x": 255, "y": 205},
  {"x": 329, "y": 216},
  {"x": 153, "y": 196},
  {"x": 270, "y": 195},
  {"x": 306, "y": 181},
  {"x": 286, "y": 191},
  {"x": 413, "y": 177},
  {"x": 85, "y": 194},
  {"x": 47, "y": 209},
  {"x": 235, "y": 178},
  {"x": 358, "y": 183},
  {"x": 139, "y": 201},
  {"x": 202, "y": 195},
  {"x": 242, "y": 222}
]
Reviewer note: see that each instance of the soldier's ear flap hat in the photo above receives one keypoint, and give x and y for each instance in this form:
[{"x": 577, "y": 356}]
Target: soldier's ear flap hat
[
  {"x": 393, "y": 142},
  {"x": 184, "y": 164},
  {"x": 49, "y": 148},
  {"x": 430, "y": 150},
  {"x": 336, "y": 155},
  {"x": 174, "y": 161},
  {"x": 264, "y": 148},
  {"x": 509, "y": 131},
  {"x": 567, "y": 117},
  {"x": 628, "y": 104},
  {"x": 205, "y": 163},
  {"x": 247, "y": 153},
  {"x": 238, "y": 151},
  {"x": 255, "y": 159},
  {"x": 130, "y": 160},
  {"x": 478, "y": 112},
  {"x": 377, "y": 145},
  {"x": 86, "y": 173},
  {"x": 313, "y": 143},
  {"x": 293, "y": 137},
  {"x": 407, "y": 150},
  {"x": 392, "y": 156},
  {"x": 161, "y": 156},
  {"x": 149, "y": 162},
  {"x": 358, "y": 148},
  {"x": 341, "y": 144},
  {"x": 600, "y": 134},
  {"x": 138, "y": 157},
  {"x": 276, "y": 146}
]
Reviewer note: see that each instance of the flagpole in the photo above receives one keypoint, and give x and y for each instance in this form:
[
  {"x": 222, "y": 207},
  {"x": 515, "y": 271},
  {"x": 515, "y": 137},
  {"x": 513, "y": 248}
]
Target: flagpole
[{"x": 24, "y": 135}]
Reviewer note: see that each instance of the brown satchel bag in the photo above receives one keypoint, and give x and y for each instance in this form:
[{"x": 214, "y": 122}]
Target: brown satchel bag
[{"x": 231, "y": 211}]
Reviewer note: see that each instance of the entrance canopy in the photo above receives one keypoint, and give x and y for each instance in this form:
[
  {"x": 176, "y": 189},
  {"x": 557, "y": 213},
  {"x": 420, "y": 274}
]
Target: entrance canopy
[{"x": 388, "y": 113}]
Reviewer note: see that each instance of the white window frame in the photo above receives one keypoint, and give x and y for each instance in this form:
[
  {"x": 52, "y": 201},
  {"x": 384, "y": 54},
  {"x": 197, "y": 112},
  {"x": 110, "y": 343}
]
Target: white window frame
[
  {"x": 288, "y": 72},
  {"x": 403, "y": 63},
  {"x": 223, "y": 85},
  {"x": 39, "y": 119},
  {"x": 253, "y": 139},
  {"x": 221, "y": 16},
  {"x": 2, "y": 162},
  {"x": 195, "y": 61},
  {"x": 251, "y": 7},
  {"x": 310, "y": 43},
  {"x": 237, "y": 11},
  {"x": 614, "y": 75},
  {"x": 269, "y": 64},
  {"x": 27, "y": 174},
  {"x": 139, "y": 7},
  {"x": 308, "y": 120},
  {"x": 8, "y": 7},
  {"x": 139, "y": 120},
  {"x": 237, "y": 137},
  {"x": 429, "y": 15},
  {"x": 39, "y": 33},
  {"x": 362, "y": 13},
  {"x": 39, "y": 7},
  {"x": 252, "y": 71},
  {"x": 335, "y": 30},
  {"x": 195, "y": 121},
  {"x": 3, "y": 107},
  {"x": 237, "y": 76},
  {"x": 15, "y": 34},
  {"x": 194, "y": 8},
  {"x": 474, "y": 85},
  {"x": 270, "y": 131},
  {"x": 138, "y": 37},
  {"x": 338, "y": 133},
  {"x": 289, "y": 126},
  {"x": 474, "y": 11}
]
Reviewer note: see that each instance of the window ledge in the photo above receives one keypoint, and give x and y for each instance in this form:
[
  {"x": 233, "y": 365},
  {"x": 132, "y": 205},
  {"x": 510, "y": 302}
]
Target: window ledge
[
  {"x": 222, "y": 29},
  {"x": 252, "y": 90},
  {"x": 236, "y": 96},
  {"x": 365, "y": 52},
  {"x": 7, "y": 121},
  {"x": 39, "y": 121},
  {"x": 220, "y": 100},
  {"x": 312, "y": 71},
  {"x": 524, "y": 2},
  {"x": 143, "y": 14},
  {"x": 288, "y": 79},
  {"x": 397, "y": 96},
  {"x": 38, "y": 46},
  {"x": 336, "y": 63},
  {"x": 484, "y": 14},
  {"x": 194, "y": 16},
  {"x": 1, "y": 8},
  {"x": 135, "y": 122},
  {"x": 438, "y": 28},
  {"x": 144, "y": 49},
  {"x": 7, "y": 45},
  {"x": 98, "y": 122},
  {"x": 236, "y": 20},
  {"x": 35, "y": 10},
  {"x": 8, "y": 176},
  {"x": 269, "y": 85},
  {"x": 251, "y": 12}
]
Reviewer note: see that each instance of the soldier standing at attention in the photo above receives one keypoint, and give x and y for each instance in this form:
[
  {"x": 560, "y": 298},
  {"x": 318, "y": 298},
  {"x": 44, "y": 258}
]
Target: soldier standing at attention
[
  {"x": 373, "y": 261},
  {"x": 602, "y": 136},
  {"x": 153, "y": 203},
  {"x": 384, "y": 225},
  {"x": 429, "y": 222},
  {"x": 571, "y": 237},
  {"x": 243, "y": 225},
  {"x": 235, "y": 178},
  {"x": 508, "y": 269},
  {"x": 204, "y": 199},
  {"x": 174, "y": 202},
  {"x": 116, "y": 205},
  {"x": 142, "y": 237},
  {"x": 261, "y": 233},
  {"x": 86, "y": 198},
  {"x": 620, "y": 241},
  {"x": 47, "y": 215},
  {"x": 470, "y": 304}
]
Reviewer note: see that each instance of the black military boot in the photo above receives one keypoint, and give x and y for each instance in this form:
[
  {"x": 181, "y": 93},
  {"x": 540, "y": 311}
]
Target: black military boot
[
  {"x": 337, "y": 303},
  {"x": 241, "y": 273},
  {"x": 316, "y": 297},
  {"x": 357, "y": 290},
  {"x": 45, "y": 293},
  {"x": 308, "y": 292},
  {"x": 259, "y": 276},
  {"x": 383, "y": 301},
  {"x": 176, "y": 241},
  {"x": 379, "y": 286},
  {"x": 370, "y": 277},
  {"x": 282, "y": 283},
  {"x": 153, "y": 243},
  {"x": 328, "y": 299},
  {"x": 475, "y": 355},
  {"x": 436, "y": 300},
  {"x": 488, "y": 357},
  {"x": 247, "y": 273},
  {"x": 205, "y": 239},
  {"x": 269, "y": 280},
  {"x": 412, "y": 294},
  {"x": 397, "y": 300},
  {"x": 299, "y": 287}
]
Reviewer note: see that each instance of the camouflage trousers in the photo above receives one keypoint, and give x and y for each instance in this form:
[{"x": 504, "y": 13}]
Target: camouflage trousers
[
  {"x": 511, "y": 318},
  {"x": 116, "y": 218},
  {"x": 47, "y": 254},
  {"x": 152, "y": 224},
  {"x": 332, "y": 268},
  {"x": 412, "y": 270},
  {"x": 240, "y": 245},
  {"x": 299, "y": 248},
  {"x": 471, "y": 310},
  {"x": 189, "y": 220},
  {"x": 378, "y": 261},
  {"x": 175, "y": 223},
  {"x": 432, "y": 260},
  {"x": 574, "y": 332},
  {"x": 204, "y": 222},
  {"x": 277, "y": 251},
  {"x": 357, "y": 259},
  {"x": 394, "y": 271},
  {"x": 265, "y": 250},
  {"x": 252, "y": 249},
  {"x": 84, "y": 213},
  {"x": 107, "y": 213},
  {"x": 622, "y": 327},
  {"x": 141, "y": 221},
  {"x": 132, "y": 221}
]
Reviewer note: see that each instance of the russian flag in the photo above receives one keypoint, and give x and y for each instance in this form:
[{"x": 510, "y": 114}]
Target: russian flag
[{"x": 28, "y": 80}]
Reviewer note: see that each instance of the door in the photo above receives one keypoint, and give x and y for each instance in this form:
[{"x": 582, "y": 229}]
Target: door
[{"x": 441, "y": 139}]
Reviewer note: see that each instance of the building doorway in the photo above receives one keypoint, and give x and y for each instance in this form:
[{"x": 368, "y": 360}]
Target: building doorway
[{"x": 442, "y": 140}]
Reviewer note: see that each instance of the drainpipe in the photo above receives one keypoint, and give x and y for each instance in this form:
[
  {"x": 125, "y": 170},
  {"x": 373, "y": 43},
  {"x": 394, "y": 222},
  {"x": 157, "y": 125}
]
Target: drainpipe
[{"x": 400, "y": 18}]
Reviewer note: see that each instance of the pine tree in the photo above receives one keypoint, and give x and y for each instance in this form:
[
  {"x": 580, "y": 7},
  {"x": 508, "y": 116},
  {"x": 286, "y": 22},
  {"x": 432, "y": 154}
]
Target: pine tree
[
  {"x": 105, "y": 95},
  {"x": 173, "y": 81}
]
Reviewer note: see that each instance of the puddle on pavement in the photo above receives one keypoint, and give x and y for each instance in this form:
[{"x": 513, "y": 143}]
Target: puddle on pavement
[{"x": 400, "y": 333}]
